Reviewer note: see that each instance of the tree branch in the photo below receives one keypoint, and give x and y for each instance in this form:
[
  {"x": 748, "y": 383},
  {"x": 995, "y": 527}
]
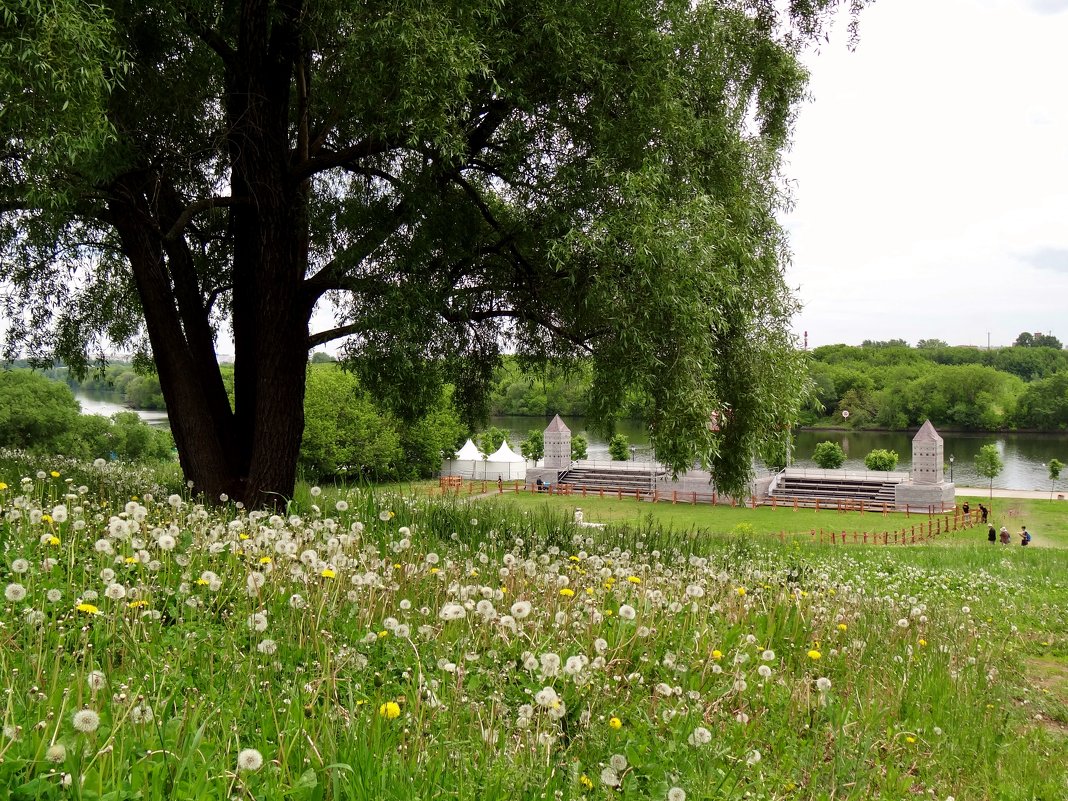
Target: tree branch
[
  {"x": 195, "y": 208},
  {"x": 333, "y": 333},
  {"x": 209, "y": 36}
]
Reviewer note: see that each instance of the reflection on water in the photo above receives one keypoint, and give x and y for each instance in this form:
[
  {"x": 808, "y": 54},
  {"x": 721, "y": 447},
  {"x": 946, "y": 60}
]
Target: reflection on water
[
  {"x": 109, "y": 403},
  {"x": 1025, "y": 455}
]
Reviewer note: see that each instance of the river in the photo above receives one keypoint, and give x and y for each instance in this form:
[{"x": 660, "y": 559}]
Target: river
[{"x": 1025, "y": 455}]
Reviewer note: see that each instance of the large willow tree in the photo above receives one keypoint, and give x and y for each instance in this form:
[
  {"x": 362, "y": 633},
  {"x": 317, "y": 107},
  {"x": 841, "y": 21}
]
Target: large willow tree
[{"x": 555, "y": 177}]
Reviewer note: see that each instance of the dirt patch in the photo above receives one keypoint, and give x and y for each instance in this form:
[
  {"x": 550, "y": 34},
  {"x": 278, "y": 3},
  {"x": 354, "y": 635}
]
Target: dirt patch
[{"x": 1049, "y": 677}]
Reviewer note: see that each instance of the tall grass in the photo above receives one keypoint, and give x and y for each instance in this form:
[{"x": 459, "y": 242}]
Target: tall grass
[{"x": 382, "y": 645}]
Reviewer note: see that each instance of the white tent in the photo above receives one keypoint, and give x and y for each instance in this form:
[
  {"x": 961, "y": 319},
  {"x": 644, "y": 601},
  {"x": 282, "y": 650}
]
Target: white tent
[
  {"x": 466, "y": 462},
  {"x": 504, "y": 463}
]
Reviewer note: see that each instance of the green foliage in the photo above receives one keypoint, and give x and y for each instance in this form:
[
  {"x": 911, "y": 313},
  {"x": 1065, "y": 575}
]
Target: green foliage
[
  {"x": 344, "y": 433},
  {"x": 931, "y": 343},
  {"x": 490, "y": 440},
  {"x": 579, "y": 447},
  {"x": 829, "y": 455},
  {"x": 533, "y": 447},
  {"x": 881, "y": 459},
  {"x": 1038, "y": 340},
  {"x": 1055, "y": 466},
  {"x": 988, "y": 464},
  {"x": 619, "y": 448},
  {"x": 1044, "y": 403},
  {"x": 550, "y": 179},
  {"x": 35, "y": 412}
]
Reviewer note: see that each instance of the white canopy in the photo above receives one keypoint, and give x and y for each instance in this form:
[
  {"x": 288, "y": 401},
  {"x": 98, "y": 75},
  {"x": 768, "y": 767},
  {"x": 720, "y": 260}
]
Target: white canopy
[
  {"x": 505, "y": 454},
  {"x": 469, "y": 452}
]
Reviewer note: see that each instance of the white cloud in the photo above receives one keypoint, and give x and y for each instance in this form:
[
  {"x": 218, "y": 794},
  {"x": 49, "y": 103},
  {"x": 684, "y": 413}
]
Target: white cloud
[{"x": 928, "y": 170}]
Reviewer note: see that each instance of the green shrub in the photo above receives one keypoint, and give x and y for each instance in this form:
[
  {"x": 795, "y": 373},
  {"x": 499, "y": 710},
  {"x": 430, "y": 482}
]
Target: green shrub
[
  {"x": 619, "y": 448},
  {"x": 881, "y": 459},
  {"x": 829, "y": 455}
]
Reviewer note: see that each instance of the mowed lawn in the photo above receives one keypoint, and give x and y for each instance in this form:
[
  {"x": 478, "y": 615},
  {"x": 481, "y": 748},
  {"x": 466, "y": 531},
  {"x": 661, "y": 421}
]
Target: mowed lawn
[{"x": 1046, "y": 520}]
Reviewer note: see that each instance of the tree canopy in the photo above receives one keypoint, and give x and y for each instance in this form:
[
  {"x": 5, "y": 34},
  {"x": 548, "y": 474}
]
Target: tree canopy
[{"x": 556, "y": 178}]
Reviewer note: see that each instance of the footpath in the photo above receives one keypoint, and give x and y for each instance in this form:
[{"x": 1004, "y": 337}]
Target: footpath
[{"x": 984, "y": 492}]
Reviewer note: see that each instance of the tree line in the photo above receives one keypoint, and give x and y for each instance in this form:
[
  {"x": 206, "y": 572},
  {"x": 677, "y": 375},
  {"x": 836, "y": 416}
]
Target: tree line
[{"x": 884, "y": 385}]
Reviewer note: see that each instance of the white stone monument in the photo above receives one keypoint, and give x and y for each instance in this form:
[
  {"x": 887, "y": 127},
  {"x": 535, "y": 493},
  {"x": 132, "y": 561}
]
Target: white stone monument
[
  {"x": 557, "y": 438},
  {"x": 927, "y": 488}
]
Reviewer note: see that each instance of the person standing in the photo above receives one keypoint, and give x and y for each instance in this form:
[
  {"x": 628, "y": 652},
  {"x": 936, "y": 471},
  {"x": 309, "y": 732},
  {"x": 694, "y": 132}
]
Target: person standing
[
  {"x": 983, "y": 512},
  {"x": 967, "y": 512},
  {"x": 1004, "y": 536},
  {"x": 1025, "y": 536}
]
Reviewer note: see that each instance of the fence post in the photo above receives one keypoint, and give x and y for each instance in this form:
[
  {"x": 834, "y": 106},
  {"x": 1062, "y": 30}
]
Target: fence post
[
  {"x": 602, "y": 492},
  {"x": 795, "y": 503},
  {"x": 674, "y": 496},
  {"x": 817, "y": 504},
  {"x": 713, "y": 499},
  {"x": 833, "y": 542}
]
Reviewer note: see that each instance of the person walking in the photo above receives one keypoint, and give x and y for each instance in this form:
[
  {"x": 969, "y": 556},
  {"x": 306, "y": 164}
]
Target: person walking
[
  {"x": 1025, "y": 536},
  {"x": 983, "y": 512},
  {"x": 1004, "y": 536},
  {"x": 967, "y": 512},
  {"x": 992, "y": 534}
]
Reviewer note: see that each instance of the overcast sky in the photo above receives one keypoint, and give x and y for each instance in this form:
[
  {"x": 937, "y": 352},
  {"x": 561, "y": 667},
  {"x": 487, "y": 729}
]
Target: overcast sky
[{"x": 930, "y": 176}]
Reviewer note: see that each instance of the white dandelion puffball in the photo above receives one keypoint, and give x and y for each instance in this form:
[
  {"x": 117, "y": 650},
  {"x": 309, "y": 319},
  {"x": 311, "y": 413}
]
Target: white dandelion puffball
[
  {"x": 626, "y": 611},
  {"x": 617, "y": 762},
  {"x": 823, "y": 684},
  {"x": 521, "y": 609},
  {"x": 764, "y": 671},
  {"x": 452, "y": 612},
  {"x": 14, "y": 592},
  {"x": 249, "y": 759},
  {"x": 86, "y": 721},
  {"x": 56, "y": 753},
  {"x": 96, "y": 680},
  {"x": 609, "y": 778},
  {"x": 700, "y": 736},
  {"x": 754, "y": 757},
  {"x": 676, "y": 794}
]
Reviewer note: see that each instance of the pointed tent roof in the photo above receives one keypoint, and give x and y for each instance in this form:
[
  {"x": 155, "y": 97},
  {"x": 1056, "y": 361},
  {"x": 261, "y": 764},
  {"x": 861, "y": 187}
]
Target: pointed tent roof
[
  {"x": 926, "y": 433},
  {"x": 505, "y": 454},
  {"x": 556, "y": 426},
  {"x": 469, "y": 452}
]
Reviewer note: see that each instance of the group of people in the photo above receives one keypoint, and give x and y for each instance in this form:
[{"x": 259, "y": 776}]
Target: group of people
[{"x": 993, "y": 535}]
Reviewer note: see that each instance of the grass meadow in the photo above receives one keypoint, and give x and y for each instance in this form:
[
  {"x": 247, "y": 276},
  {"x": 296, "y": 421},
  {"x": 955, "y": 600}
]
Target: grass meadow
[{"x": 393, "y": 645}]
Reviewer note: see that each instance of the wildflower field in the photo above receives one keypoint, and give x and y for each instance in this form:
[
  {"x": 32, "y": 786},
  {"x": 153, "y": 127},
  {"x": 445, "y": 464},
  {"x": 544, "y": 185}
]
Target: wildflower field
[{"x": 362, "y": 645}]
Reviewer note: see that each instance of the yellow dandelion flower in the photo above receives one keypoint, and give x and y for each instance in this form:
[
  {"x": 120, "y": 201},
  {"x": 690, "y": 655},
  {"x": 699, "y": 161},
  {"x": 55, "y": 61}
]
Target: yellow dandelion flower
[
  {"x": 137, "y": 604},
  {"x": 504, "y": 589},
  {"x": 242, "y": 537},
  {"x": 89, "y": 609},
  {"x": 328, "y": 573},
  {"x": 53, "y": 540},
  {"x": 589, "y": 590},
  {"x": 265, "y": 560},
  {"x": 46, "y": 518},
  {"x": 389, "y": 710},
  {"x": 434, "y": 570},
  {"x": 55, "y": 474},
  {"x": 383, "y": 633},
  {"x": 586, "y": 781},
  {"x": 814, "y": 654},
  {"x": 3, "y": 486},
  {"x": 717, "y": 654},
  {"x": 131, "y": 560},
  {"x": 615, "y": 723},
  {"x": 474, "y": 572},
  {"x": 923, "y": 643},
  {"x": 740, "y": 591},
  {"x": 634, "y": 580},
  {"x": 842, "y": 627},
  {"x": 608, "y": 613},
  {"x": 573, "y": 558},
  {"x": 910, "y": 739},
  {"x": 567, "y": 592},
  {"x": 203, "y": 582}
]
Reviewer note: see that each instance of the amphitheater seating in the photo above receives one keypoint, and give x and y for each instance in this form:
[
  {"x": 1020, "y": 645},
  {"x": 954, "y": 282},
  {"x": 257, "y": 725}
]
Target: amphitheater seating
[
  {"x": 827, "y": 488},
  {"x": 609, "y": 478}
]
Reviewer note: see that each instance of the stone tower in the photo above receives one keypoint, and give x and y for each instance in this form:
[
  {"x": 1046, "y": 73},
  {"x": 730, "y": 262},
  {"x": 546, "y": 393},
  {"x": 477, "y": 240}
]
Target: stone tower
[
  {"x": 927, "y": 456},
  {"x": 557, "y": 445},
  {"x": 927, "y": 489}
]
